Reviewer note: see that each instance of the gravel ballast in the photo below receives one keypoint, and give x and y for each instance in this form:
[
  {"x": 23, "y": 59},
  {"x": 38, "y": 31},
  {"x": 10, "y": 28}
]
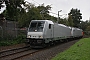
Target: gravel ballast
[{"x": 49, "y": 53}]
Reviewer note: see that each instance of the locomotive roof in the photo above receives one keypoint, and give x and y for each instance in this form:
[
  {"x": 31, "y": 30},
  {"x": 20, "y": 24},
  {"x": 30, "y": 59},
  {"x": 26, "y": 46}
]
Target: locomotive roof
[
  {"x": 76, "y": 28},
  {"x": 49, "y": 21},
  {"x": 63, "y": 25}
]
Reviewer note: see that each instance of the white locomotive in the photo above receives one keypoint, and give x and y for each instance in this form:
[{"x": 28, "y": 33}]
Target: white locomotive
[{"x": 42, "y": 32}]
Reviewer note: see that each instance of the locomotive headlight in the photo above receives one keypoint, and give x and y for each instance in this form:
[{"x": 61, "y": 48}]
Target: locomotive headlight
[
  {"x": 40, "y": 36},
  {"x": 29, "y": 36}
]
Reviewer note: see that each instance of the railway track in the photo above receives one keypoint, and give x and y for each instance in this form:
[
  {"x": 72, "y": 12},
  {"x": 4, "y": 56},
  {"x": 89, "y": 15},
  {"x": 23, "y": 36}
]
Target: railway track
[
  {"x": 16, "y": 54},
  {"x": 13, "y": 54}
]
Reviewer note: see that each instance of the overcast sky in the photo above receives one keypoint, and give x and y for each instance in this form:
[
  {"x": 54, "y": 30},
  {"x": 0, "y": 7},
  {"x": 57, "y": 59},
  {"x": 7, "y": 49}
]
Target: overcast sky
[{"x": 66, "y": 6}]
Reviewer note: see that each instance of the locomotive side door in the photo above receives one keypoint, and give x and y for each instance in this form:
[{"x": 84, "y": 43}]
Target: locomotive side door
[{"x": 51, "y": 30}]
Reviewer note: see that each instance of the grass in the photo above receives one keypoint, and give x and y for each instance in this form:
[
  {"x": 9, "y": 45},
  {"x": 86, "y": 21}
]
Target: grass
[{"x": 79, "y": 51}]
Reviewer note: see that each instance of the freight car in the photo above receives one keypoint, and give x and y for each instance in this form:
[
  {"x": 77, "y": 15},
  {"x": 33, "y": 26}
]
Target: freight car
[{"x": 43, "y": 32}]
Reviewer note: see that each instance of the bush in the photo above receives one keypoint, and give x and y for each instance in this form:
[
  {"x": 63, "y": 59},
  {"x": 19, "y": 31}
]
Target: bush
[{"x": 18, "y": 40}]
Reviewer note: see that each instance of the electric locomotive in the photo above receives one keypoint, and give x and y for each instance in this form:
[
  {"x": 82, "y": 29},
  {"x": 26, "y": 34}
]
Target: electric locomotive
[{"x": 42, "y": 32}]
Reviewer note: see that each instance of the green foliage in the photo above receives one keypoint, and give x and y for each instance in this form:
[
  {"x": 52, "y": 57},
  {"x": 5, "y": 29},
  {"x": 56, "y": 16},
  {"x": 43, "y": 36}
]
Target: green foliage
[
  {"x": 18, "y": 40},
  {"x": 54, "y": 19},
  {"x": 63, "y": 21},
  {"x": 85, "y": 26},
  {"x": 23, "y": 15},
  {"x": 76, "y": 16},
  {"x": 1, "y": 2},
  {"x": 33, "y": 13},
  {"x": 13, "y": 8},
  {"x": 79, "y": 51},
  {"x": 88, "y": 26},
  {"x": 70, "y": 21},
  {"x": 44, "y": 11}
]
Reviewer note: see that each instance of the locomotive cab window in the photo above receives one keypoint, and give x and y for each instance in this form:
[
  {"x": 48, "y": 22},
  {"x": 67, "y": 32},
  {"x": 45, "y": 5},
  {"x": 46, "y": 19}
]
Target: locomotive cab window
[
  {"x": 36, "y": 26},
  {"x": 49, "y": 26}
]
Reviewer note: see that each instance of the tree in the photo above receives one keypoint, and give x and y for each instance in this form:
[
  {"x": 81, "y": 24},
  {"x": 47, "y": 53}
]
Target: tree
[
  {"x": 44, "y": 11},
  {"x": 76, "y": 16},
  {"x": 70, "y": 21},
  {"x": 34, "y": 13},
  {"x": 1, "y": 19},
  {"x": 8, "y": 2},
  {"x": 13, "y": 8},
  {"x": 23, "y": 15},
  {"x": 22, "y": 19},
  {"x": 1, "y": 2},
  {"x": 88, "y": 26}
]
